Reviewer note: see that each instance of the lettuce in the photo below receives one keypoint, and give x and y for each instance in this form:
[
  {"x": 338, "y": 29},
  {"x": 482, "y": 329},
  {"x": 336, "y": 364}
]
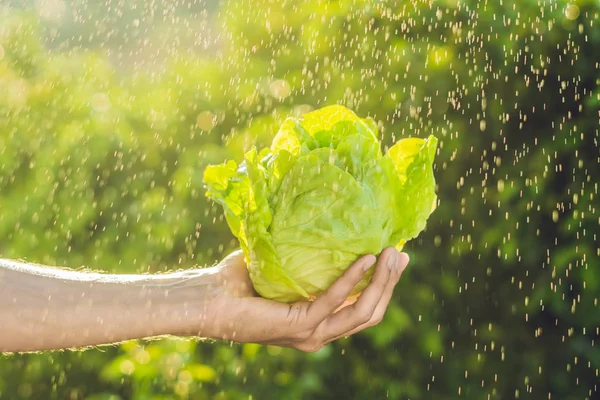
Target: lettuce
[{"x": 320, "y": 197}]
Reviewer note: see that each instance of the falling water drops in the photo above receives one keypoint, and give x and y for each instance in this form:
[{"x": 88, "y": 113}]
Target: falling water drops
[{"x": 111, "y": 110}]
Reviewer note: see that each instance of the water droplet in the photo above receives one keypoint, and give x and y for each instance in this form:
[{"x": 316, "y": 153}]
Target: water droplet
[
  {"x": 100, "y": 102},
  {"x": 206, "y": 120},
  {"x": 572, "y": 11}
]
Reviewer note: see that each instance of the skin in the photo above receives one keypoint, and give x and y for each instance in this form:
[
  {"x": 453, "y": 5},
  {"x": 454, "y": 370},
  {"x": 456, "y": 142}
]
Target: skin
[{"x": 45, "y": 308}]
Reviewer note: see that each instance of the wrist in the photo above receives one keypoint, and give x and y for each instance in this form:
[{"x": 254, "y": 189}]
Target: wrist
[{"x": 184, "y": 304}]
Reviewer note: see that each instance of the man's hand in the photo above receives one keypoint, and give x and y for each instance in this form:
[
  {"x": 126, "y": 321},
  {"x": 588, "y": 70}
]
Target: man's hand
[
  {"x": 240, "y": 315},
  {"x": 48, "y": 308}
]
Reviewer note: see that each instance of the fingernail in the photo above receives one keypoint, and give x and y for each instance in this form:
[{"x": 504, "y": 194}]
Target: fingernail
[
  {"x": 403, "y": 260},
  {"x": 391, "y": 263}
]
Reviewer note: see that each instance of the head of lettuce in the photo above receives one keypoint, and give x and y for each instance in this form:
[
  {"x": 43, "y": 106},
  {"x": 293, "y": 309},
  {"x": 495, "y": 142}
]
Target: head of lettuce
[{"x": 320, "y": 197}]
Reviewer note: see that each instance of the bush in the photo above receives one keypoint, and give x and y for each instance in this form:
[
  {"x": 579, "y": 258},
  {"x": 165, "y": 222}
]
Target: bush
[{"x": 102, "y": 166}]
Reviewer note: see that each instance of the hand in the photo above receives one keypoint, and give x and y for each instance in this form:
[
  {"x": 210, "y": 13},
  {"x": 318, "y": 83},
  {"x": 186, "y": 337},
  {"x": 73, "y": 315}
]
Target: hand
[{"x": 240, "y": 315}]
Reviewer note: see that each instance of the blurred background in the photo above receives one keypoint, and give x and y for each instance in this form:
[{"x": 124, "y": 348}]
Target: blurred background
[{"x": 110, "y": 110}]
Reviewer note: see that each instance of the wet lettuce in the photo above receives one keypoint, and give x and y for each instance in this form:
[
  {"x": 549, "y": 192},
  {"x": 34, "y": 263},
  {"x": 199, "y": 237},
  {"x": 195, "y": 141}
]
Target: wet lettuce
[{"x": 320, "y": 197}]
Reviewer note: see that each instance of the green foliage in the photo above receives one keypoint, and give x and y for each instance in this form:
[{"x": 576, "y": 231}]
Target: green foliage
[{"x": 102, "y": 165}]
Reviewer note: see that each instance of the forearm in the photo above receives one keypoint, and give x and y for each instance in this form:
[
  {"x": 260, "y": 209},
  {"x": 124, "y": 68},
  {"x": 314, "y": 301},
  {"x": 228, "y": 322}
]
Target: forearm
[{"x": 45, "y": 308}]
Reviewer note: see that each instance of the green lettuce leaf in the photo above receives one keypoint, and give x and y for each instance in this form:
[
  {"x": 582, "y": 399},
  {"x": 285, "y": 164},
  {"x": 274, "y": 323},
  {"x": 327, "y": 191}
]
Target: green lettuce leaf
[{"x": 320, "y": 197}]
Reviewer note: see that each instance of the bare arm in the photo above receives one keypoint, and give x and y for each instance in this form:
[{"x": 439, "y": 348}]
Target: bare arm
[
  {"x": 45, "y": 308},
  {"x": 48, "y": 308}
]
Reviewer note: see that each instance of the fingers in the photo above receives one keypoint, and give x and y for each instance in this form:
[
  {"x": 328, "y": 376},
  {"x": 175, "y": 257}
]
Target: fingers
[
  {"x": 334, "y": 297},
  {"x": 308, "y": 326},
  {"x": 389, "y": 290},
  {"x": 362, "y": 311},
  {"x": 385, "y": 298}
]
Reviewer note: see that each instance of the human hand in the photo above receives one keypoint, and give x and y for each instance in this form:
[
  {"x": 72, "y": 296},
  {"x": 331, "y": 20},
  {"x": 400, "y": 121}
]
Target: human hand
[
  {"x": 51, "y": 308},
  {"x": 242, "y": 316}
]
